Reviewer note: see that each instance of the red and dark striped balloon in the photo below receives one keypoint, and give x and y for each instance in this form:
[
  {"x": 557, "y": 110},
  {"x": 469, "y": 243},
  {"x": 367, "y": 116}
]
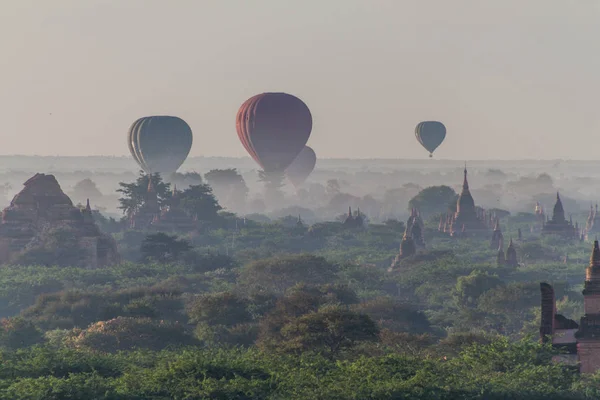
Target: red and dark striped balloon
[
  {"x": 273, "y": 128},
  {"x": 302, "y": 166}
]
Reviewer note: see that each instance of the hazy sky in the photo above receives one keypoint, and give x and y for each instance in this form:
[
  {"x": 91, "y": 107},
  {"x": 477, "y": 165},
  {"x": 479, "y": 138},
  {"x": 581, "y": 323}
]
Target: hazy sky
[{"x": 509, "y": 78}]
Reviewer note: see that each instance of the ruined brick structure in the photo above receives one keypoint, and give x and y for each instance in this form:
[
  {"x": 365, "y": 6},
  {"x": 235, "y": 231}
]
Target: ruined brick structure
[
  {"x": 581, "y": 341},
  {"x": 588, "y": 336},
  {"x": 42, "y": 207},
  {"x": 408, "y": 248}
]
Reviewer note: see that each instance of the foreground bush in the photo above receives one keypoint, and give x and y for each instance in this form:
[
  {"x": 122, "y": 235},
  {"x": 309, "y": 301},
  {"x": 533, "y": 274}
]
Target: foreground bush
[{"x": 125, "y": 333}]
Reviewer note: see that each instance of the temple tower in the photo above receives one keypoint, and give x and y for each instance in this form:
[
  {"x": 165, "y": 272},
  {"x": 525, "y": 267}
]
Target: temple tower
[
  {"x": 407, "y": 246},
  {"x": 496, "y": 235},
  {"x": 588, "y": 336},
  {"x": 511, "y": 255},
  {"x": 466, "y": 219},
  {"x": 559, "y": 225}
]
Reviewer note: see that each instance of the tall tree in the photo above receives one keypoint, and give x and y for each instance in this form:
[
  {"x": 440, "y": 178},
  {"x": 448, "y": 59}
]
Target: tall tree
[
  {"x": 85, "y": 189},
  {"x": 228, "y": 186},
  {"x": 134, "y": 194},
  {"x": 163, "y": 248},
  {"x": 199, "y": 201},
  {"x": 185, "y": 179},
  {"x": 434, "y": 200},
  {"x": 328, "y": 331}
]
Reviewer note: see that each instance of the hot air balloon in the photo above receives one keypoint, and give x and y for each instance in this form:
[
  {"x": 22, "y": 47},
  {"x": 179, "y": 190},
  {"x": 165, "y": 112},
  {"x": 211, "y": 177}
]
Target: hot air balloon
[
  {"x": 302, "y": 166},
  {"x": 160, "y": 143},
  {"x": 273, "y": 128},
  {"x": 430, "y": 134}
]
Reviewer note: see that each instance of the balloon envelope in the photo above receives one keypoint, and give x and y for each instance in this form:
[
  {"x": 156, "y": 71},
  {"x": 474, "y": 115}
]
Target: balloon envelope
[
  {"x": 273, "y": 128},
  {"x": 302, "y": 166},
  {"x": 430, "y": 134},
  {"x": 160, "y": 143}
]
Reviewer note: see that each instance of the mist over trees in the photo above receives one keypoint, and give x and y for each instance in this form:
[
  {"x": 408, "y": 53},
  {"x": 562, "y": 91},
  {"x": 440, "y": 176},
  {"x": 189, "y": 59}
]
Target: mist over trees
[{"x": 271, "y": 297}]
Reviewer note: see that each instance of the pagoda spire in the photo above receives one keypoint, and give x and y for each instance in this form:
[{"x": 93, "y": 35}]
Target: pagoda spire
[
  {"x": 465, "y": 181},
  {"x": 559, "y": 211}
]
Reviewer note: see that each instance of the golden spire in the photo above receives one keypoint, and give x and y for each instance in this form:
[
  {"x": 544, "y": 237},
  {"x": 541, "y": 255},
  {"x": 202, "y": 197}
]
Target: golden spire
[{"x": 592, "y": 272}]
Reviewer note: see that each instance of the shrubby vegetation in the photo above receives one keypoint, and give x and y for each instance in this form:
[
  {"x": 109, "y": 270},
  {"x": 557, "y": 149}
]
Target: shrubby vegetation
[{"x": 260, "y": 308}]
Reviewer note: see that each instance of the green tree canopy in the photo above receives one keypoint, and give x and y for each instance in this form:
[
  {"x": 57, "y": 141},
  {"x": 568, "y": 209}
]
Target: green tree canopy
[
  {"x": 328, "y": 331},
  {"x": 276, "y": 274},
  {"x": 434, "y": 200},
  {"x": 163, "y": 248},
  {"x": 134, "y": 194},
  {"x": 199, "y": 201}
]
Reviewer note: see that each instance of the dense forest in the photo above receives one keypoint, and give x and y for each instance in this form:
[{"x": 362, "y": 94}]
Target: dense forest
[{"x": 277, "y": 308}]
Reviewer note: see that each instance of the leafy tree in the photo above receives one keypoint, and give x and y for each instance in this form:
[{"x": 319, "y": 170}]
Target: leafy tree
[
  {"x": 134, "y": 194},
  {"x": 434, "y": 200},
  {"x": 299, "y": 300},
  {"x": 77, "y": 308},
  {"x": 183, "y": 180},
  {"x": 108, "y": 225},
  {"x": 57, "y": 246},
  {"x": 17, "y": 332},
  {"x": 163, "y": 248},
  {"x": 85, "y": 189},
  {"x": 469, "y": 288},
  {"x": 223, "y": 318},
  {"x": 276, "y": 274},
  {"x": 221, "y": 308},
  {"x": 273, "y": 182},
  {"x": 390, "y": 313},
  {"x": 126, "y": 333},
  {"x": 328, "y": 331},
  {"x": 512, "y": 304},
  {"x": 198, "y": 200},
  {"x": 333, "y": 187},
  {"x": 229, "y": 187}
]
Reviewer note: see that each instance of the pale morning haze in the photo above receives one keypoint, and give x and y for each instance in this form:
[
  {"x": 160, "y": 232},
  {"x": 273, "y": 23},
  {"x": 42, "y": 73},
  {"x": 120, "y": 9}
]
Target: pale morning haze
[{"x": 510, "y": 79}]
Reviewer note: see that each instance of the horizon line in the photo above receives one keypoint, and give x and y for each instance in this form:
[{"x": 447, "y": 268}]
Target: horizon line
[{"x": 461, "y": 160}]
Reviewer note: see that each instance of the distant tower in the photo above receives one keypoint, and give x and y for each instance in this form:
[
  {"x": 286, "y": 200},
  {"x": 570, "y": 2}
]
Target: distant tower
[
  {"x": 496, "y": 235},
  {"x": 559, "y": 225},
  {"x": 88, "y": 218},
  {"x": 407, "y": 249},
  {"x": 349, "y": 218},
  {"x": 500, "y": 260},
  {"x": 558, "y": 214},
  {"x": 467, "y": 217},
  {"x": 407, "y": 246},
  {"x": 417, "y": 235},
  {"x": 511, "y": 255},
  {"x": 359, "y": 220}
]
